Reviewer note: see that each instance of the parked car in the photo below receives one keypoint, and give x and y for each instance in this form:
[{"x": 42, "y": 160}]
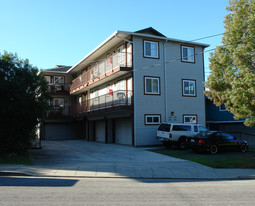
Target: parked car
[
  {"x": 214, "y": 141},
  {"x": 177, "y": 133}
]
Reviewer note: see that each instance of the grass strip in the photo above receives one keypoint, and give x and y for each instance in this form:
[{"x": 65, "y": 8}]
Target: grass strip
[{"x": 220, "y": 160}]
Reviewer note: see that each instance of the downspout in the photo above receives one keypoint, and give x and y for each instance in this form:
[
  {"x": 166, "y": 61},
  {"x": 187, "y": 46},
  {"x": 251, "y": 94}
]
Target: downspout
[{"x": 165, "y": 79}]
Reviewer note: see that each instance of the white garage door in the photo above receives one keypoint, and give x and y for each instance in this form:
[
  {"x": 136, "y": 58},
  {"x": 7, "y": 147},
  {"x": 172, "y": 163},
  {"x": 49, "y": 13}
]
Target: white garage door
[
  {"x": 100, "y": 131},
  {"x": 123, "y": 131},
  {"x": 61, "y": 131}
]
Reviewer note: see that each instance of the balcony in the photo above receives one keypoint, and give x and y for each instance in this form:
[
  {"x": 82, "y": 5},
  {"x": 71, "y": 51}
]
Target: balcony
[
  {"x": 113, "y": 66},
  {"x": 117, "y": 100},
  {"x": 59, "y": 112},
  {"x": 59, "y": 88}
]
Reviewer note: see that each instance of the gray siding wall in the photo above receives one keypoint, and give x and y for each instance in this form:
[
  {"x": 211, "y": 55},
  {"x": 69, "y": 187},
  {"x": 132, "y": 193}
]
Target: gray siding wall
[{"x": 155, "y": 104}]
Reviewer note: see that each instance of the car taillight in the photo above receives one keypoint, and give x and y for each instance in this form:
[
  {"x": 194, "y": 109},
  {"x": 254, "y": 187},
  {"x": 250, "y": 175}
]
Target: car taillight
[
  {"x": 170, "y": 135},
  {"x": 201, "y": 141}
]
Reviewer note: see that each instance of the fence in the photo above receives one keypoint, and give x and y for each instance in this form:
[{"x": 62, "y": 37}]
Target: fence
[
  {"x": 111, "y": 100},
  {"x": 101, "y": 68}
]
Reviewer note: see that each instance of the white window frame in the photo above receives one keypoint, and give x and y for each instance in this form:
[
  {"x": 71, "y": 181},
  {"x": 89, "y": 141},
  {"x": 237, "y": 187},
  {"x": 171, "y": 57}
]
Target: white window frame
[
  {"x": 145, "y": 86},
  {"x": 183, "y": 88},
  {"x": 191, "y": 116},
  {"x": 153, "y": 116},
  {"x": 153, "y": 54},
  {"x": 190, "y": 56}
]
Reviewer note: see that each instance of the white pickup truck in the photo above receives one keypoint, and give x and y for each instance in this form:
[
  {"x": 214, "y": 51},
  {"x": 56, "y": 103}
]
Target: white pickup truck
[{"x": 177, "y": 133}]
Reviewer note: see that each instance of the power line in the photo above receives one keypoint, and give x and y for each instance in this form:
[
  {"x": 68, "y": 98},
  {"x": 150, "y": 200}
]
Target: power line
[{"x": 179, "y": 59}]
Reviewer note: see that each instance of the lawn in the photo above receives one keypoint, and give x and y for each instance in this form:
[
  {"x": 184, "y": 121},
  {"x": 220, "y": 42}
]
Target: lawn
[
  {"x": 220, "y": 160},
  {"x": 16, "y": 159}
]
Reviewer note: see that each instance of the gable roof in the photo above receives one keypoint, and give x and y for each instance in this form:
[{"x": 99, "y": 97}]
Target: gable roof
[
  {"x": 150, "y": 31},
  {"x": 119, "y": 36},
  {"x": 58, "y": 69}
]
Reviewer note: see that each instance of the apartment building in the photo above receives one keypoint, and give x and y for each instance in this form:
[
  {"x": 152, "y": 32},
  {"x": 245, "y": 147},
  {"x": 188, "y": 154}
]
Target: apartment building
[{"x": 122, "y": 90}]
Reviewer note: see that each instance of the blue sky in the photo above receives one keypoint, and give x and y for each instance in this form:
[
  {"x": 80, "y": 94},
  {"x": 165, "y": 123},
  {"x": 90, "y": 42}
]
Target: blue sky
[{"x": 51, "y": 32}]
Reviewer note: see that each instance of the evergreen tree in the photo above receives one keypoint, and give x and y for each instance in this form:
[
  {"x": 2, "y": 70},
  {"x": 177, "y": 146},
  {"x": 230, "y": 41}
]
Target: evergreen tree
[{"x": 23, "y": 102}]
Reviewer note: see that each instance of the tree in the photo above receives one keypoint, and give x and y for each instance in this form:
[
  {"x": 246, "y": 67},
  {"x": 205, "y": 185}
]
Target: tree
[
  {"x": 24, "y": 99},
  {"x": 232, "y": 78}
]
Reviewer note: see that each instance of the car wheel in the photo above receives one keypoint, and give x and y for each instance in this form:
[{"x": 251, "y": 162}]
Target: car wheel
[
  {"x": 182, "y": 143},
  {"x": 243, "y": 148},
  {"x": 213, "y": 149}
]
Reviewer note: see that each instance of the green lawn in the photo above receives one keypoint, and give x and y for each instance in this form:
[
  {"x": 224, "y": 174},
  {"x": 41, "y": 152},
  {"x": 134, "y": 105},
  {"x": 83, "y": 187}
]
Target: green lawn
[
  {"x": 220, "y": 160},
  {"x": 16, "y": 159}
]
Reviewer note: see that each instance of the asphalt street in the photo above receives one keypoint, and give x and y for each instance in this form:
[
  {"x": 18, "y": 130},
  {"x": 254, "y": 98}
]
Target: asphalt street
[{"x": 123, "y": 191}]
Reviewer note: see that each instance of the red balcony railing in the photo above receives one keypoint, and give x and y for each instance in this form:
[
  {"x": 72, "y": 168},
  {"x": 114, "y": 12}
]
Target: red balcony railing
[
  {"x": 116, "y": 99},
  {"x": 101, "y": 69}
]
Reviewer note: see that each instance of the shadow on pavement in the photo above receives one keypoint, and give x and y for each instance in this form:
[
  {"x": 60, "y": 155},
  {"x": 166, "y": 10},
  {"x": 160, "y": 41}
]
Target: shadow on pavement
[{"x": 35, "y": 182}]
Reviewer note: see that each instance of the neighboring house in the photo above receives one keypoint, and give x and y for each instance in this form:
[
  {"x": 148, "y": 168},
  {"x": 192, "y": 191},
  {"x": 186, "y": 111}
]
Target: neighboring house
[
  {"x": 218, "y": 118},
  {"x": 132, "y": 82}
]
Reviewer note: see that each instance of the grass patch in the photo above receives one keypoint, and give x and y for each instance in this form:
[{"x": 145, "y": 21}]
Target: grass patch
[
  {"x": 16, "y": 159},
  {"x": 220, "y": 160}
]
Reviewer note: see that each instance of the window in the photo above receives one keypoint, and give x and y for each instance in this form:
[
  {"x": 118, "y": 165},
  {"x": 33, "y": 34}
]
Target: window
[
  {"x": 58, "y": 102},
  {"x": 188, "y": 54},
  {"x": 223, "y": 108},
  {"x": 151, "y": 49},
  {"x": 181, "y": 128},
  {"x": 151, "y": 85},
  {"x": 152, "y": 119},
  {"x": 190, "y": 119},
  {"x": 48, "y": 78},
  {"x": 164, "y": 127},
  {"x": 188, "y": 87},
  {"x": 203, "y": 129},
  {"x": 227, "y": 136},
  {"x": 59, "y": 80}
]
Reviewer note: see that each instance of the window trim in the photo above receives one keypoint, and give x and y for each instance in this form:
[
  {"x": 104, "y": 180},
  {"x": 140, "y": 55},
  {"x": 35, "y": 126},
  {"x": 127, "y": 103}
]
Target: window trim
[
  {"x": 151, "y": 77},
  {"x": 187, "y": 61},
  {"x": 190, "y": 115},
  {"x": 189, "y": 95},
  {"x": 152, "y": 115},
  {"x": 150, "y": 57}
]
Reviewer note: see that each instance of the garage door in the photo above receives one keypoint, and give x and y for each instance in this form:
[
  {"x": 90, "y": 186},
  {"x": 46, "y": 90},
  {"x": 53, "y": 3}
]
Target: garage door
[
  {"x": 123, "y": 131},
  {"x": 100, "y": 131},
  {"x": 62, "y": 131}
]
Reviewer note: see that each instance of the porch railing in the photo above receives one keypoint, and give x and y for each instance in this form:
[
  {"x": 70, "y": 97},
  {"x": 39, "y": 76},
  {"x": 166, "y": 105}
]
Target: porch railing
[
  {"x": 59, "y": 87},
  {"x": 100, "y": 69},
  {"x": 111, "y": 100},
  {"x": 57, "y": 111}
]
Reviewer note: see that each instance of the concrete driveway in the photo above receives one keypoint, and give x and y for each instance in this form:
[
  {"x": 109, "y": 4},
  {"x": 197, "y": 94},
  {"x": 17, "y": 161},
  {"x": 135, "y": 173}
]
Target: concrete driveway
[{"x": 79, "y": 158}]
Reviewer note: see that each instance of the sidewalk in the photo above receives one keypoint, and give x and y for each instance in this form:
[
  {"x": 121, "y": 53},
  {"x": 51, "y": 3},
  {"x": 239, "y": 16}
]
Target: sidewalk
[{"x": 96, "y": 160}]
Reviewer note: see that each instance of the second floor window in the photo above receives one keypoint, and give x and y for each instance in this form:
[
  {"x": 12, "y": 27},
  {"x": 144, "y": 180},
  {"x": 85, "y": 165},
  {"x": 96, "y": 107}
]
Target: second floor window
[
  {"x": 189, "y": 88},
  {"x": 151, "y": 49},
  {"x": 151, "y": 85}
]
